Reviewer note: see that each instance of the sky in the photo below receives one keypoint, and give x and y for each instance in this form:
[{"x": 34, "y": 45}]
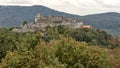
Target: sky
[{"x": 79, "y": 7}]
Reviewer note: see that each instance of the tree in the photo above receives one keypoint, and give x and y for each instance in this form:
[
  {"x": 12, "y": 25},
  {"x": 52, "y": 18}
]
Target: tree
[
  {"x": 24, "y": 23},
  {"x": 115, "y": 42},
  {"x": 77, "y": 55},
  {"x": 16, "y": 59}
]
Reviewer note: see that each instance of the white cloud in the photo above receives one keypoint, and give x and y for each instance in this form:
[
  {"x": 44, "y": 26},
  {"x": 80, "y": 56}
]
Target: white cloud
[{"x": 80, "y": 7}]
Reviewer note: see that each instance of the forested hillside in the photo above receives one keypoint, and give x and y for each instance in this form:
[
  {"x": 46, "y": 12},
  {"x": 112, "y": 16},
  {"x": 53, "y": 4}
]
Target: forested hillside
[{"x": 59, "y": 47}]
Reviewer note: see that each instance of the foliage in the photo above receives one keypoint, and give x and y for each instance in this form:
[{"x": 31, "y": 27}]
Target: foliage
[
  {"x": 115, "y": 42},
  {"x": 115, "y": 57},
  {"x": 77, "y": 55},
  {"x": 24, "y": 23},
  {"x": 93, "y": 37},
  {"x": 46, "y": 55},
  {"x": 25, "y": 59},
  {"x": 17, "y": 41},
  {"x": 58, "y": 47}
]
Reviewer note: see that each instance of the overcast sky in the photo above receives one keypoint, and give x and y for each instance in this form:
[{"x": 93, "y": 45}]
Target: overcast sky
[{"x": 81, "y": 7}]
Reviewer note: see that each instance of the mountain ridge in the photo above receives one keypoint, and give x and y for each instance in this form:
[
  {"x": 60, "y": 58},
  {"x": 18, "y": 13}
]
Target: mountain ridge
[{"x": 15, "y": 15}]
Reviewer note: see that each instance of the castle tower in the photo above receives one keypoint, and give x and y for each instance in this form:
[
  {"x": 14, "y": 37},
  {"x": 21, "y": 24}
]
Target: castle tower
[{"x": 37, "y": 17}]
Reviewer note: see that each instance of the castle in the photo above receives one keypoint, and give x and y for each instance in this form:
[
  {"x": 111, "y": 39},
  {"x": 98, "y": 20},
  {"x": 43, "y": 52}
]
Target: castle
[{"x": 42, "y": 21}]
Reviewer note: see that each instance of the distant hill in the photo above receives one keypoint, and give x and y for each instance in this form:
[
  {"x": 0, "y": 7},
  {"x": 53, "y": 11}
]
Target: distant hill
[
  {"x": 14, "y": 15},
  {"x": 109, "y": 22}
]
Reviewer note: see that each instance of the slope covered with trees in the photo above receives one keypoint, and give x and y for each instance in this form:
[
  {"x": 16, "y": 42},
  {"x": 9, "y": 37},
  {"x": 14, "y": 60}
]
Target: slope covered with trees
[{"x": 58, "y": 47}]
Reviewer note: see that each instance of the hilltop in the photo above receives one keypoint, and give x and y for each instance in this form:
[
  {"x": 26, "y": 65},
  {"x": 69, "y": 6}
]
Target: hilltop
[{"x": 14, "y": 15}]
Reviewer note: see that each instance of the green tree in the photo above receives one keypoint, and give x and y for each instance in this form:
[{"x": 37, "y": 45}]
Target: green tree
[
  {"x": 77, "y": 55},
  {"x": 24, "y": 23},
  {"x": 16, "y": 59}
]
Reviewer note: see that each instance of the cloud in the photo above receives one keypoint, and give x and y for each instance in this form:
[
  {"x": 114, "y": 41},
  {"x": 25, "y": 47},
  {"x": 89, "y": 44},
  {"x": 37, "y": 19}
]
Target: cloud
[
  {"x": 108, "y": 3},
  {"x": 81, "y": 7},
  {"x": 15, "y": 2}
]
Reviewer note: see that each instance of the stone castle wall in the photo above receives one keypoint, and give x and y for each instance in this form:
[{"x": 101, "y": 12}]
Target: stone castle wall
[{"x": 42, "y": 22}]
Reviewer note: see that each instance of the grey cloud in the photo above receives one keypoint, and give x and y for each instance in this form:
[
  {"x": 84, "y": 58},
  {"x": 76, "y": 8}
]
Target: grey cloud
[
  {"x": 101, "y": 3},
  {"x": 16, "y": 2},
  {"x": 71, "y": 6}
]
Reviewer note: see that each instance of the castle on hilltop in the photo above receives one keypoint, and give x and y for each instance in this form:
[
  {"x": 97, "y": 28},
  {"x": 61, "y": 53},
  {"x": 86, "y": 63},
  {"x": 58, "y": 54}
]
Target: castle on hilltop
[{"x": 42, "y": 21}]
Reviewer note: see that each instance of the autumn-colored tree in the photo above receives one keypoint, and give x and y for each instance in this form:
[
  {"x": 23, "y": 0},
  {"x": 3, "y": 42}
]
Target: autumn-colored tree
[
  {"x": 115, "y": 42},
  {"x": 16, "y": 59}
]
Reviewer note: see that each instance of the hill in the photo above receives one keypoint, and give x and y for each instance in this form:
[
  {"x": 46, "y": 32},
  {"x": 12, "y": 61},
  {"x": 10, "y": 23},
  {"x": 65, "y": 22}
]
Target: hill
[
  {"x": 14, "y": 15},
  {"x": 109, "y": 22}
]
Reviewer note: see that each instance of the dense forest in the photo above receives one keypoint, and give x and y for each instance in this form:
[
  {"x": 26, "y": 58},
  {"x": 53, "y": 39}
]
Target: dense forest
[{"x": 59, "y": 47}]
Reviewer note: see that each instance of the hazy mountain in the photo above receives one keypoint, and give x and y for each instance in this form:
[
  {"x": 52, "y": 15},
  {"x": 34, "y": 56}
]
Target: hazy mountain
[
  {"x": 109, "y": 22},
  {"x": 14, "y": 15}
]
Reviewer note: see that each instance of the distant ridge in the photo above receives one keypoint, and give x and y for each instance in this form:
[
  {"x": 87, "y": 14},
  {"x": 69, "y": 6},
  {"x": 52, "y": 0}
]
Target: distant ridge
[{"x": 14, "y": 15}]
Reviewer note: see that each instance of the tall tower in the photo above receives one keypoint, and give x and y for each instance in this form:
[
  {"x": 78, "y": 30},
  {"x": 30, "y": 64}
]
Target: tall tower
[{"x": 37, "y": 17}]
